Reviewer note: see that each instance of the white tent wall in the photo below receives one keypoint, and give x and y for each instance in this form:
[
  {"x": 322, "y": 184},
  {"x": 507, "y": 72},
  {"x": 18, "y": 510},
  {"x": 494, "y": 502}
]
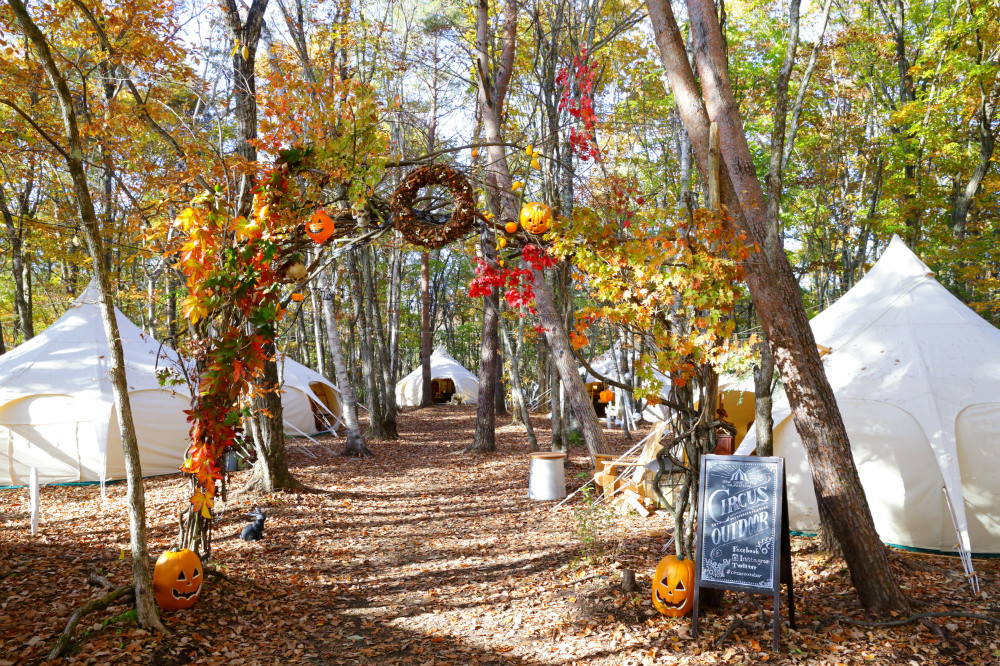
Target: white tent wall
[
  {"x": 162, "y": 428},
  {"x": 301, "y": 388},
  {"x": 56, "y": 434},
  {"x": 443, "y": 366},
  {"x": 297, "y": 412},
  {"x": 978, "y": 430},
  {"x": 912, "y": 369},
  {"x": 56, "y": 402}
]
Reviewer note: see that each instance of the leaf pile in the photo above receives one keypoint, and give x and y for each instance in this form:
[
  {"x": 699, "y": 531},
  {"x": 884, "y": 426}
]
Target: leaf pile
[{"x": 423, "y": 556}]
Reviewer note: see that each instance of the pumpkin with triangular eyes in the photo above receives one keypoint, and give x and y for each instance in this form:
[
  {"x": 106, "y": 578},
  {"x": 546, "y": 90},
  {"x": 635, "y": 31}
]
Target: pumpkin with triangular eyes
[
  {"x": 177, "y": 579},
  {"x": 673, "y": 586}
]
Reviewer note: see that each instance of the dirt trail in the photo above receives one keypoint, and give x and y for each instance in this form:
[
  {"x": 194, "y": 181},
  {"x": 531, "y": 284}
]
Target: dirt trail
[{"x": 424, "y": 556}]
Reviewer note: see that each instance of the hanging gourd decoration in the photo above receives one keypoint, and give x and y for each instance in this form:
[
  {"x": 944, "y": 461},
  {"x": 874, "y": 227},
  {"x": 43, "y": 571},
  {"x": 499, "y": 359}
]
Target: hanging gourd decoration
[
  {"x": 510, "y": 227},
  {"x": 320, "y": 227},
  {"x": 177, "y": 579},
  {"x": 536, "y": 218},
  {"x": 673, "y": 586},
  {"x": 296, "y": 271},
  {"x": 607, "y": 395}
]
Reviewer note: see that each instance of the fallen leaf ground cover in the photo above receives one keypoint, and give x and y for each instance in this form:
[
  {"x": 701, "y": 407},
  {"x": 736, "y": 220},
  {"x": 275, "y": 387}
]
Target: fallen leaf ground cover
[{"x": 427, "y": 556}]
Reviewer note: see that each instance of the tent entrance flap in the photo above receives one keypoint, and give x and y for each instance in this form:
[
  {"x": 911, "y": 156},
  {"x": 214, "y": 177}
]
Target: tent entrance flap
[
  {"x": 442, "y": 388},
  {"x": 594, "y": 391}
]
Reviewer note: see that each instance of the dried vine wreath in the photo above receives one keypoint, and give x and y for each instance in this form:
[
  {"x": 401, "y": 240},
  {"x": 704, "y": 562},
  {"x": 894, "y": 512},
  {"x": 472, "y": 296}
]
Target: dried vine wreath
[{"x": 426, "y": 232}]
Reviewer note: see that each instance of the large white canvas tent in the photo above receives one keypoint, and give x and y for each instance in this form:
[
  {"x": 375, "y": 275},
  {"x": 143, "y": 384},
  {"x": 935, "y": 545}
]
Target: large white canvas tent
[
  {"x": 916, "y": 375},
  {"x": 615, "y": 364},
  {"x": 57, "y": 405},
  {"x": 310, "y": 403},
  {"x": 451, "y": 376}
]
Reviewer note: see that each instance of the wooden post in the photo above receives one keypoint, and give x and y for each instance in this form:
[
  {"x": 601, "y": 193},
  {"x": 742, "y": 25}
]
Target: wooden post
[{"x": 713, "y": 167}]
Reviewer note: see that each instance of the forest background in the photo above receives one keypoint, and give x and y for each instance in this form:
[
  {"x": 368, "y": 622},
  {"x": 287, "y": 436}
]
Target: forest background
[{"x": 892, "y": 131}]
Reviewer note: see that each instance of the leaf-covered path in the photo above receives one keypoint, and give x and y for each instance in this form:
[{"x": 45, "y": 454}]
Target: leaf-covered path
[{"x": 425, "y": 556}]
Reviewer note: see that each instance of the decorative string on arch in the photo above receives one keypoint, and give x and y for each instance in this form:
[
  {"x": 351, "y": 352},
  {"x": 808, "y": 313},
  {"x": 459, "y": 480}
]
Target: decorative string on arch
[{"x": 424, "y": 232}]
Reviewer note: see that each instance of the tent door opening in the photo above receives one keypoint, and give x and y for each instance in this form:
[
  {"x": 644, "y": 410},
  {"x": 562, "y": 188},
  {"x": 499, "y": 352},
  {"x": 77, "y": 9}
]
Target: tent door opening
[
  {"x": 594, "y": 390},
  {"x": 442, "y": 389},
  {"x": 321, "y": 416}
]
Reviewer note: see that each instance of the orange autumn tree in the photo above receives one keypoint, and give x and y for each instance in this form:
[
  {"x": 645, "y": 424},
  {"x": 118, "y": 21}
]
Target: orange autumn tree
[
  {"x": 671, "y": 285},
  {"x": 237, "y": 269}
]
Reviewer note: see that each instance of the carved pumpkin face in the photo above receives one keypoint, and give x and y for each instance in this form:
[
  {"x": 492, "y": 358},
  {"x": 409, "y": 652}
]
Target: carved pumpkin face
[
  {"x": 177, "y": 579},
  {"x": 673, "y": 586},
  {"x": 321, "y": 226},
  {"x": 536, "y": 218}
]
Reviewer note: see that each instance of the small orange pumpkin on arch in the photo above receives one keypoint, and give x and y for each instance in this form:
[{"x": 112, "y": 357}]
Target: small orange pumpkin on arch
[
  {"x": 321, "y": 226},
  {"x": 536, "y": 218}
]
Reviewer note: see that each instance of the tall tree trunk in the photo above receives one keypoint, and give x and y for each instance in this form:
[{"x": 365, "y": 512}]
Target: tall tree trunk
[
  {"x": 355, "y": 445},
  {"x": 25, "y": 320},
  {"x": 777, "y": 298},
  {"x": 172, "y": 331},
  {"x": 485, "y": 436},
  {"x": 73, "y": 157},
  {"x": 426, "y": 397},
  {"x": 558, "y": 442},
  {"x": 270, "y": 472},
  {"x": 245, "y": 34},
  {"x": 763, "y": 386},
  {"x": 387, "y": 387},
  {"x": 963, "y": 203},
  {"x": 764, "y": 371},
  {"x": 520, "y": 403},
  {"x": 317, "y": 326},
  {"x": 500, "y": 390},
  {"x": 498, "y": 185},
  {"x": 376, "y": 427}
]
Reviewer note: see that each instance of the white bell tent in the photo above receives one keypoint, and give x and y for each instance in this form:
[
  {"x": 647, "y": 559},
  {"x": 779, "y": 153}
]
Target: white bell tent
[
  {"x": 310, "y": 402},
  {"x": 57, "y": 405},
  {"x": 615, "y": 364},
  {"x": 449, "y": 376},
  {"x": 916, "y": 375}
]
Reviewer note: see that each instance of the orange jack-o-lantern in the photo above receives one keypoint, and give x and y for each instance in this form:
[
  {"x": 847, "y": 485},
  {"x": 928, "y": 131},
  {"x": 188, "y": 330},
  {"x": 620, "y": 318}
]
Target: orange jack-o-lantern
[
  {"x": 607, "y": 395},
  {"x": 673, "y": 586},
  {"x": 177, "y": 579},
  {"x": 536, "y": 218},
  {"x": 320, "y": 227}
]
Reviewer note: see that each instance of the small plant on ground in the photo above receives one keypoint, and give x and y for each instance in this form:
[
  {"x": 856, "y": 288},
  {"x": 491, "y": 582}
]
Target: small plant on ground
[{"x": 596, "y": 526}]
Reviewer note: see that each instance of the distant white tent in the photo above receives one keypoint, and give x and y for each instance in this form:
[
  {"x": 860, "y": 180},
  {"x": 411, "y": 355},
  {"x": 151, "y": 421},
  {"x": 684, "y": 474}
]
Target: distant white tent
[
  {"x": 916, "y": 375},
  {"x": 615, "y": 363},
  {"x": 449, "y": 378},
  {"x": 310, "y": 402},
  {"x": 57, "y": 404}
]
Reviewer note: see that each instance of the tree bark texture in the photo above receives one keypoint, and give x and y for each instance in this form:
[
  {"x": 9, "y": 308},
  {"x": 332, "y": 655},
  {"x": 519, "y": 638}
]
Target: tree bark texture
[
  {"x": 245, "y": 34},
  {"x": 776, "y": 296},
  {"x": 25, "y": 320},
  {"x": 498, "y": 182},
  {"x": 73, "y": 157},
  {"x": 376, "y": 428},
  {"x": 426, "y": 398},
  {"x": 520, "y": 403},
  {"x": 355, "y": 445},
  {"x": 485, "y": 437},
  {"x": 380, "y": 355},
  {"x": 270, "y": 471}
]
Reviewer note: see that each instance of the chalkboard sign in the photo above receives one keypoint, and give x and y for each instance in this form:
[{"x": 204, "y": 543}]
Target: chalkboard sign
[{"x": 742, "y": 542}]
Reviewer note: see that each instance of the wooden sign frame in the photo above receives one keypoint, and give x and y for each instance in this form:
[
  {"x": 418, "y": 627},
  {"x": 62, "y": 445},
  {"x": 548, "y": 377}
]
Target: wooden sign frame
[{"x": 780, "y": 563}]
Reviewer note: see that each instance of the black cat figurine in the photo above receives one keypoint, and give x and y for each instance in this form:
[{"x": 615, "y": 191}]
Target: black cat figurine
[{"x": 255, "y": 530}]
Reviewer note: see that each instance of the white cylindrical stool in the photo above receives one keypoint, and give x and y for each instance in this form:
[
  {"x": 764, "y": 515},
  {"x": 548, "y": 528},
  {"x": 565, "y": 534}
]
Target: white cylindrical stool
[{"x": 548, "y": 477}]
